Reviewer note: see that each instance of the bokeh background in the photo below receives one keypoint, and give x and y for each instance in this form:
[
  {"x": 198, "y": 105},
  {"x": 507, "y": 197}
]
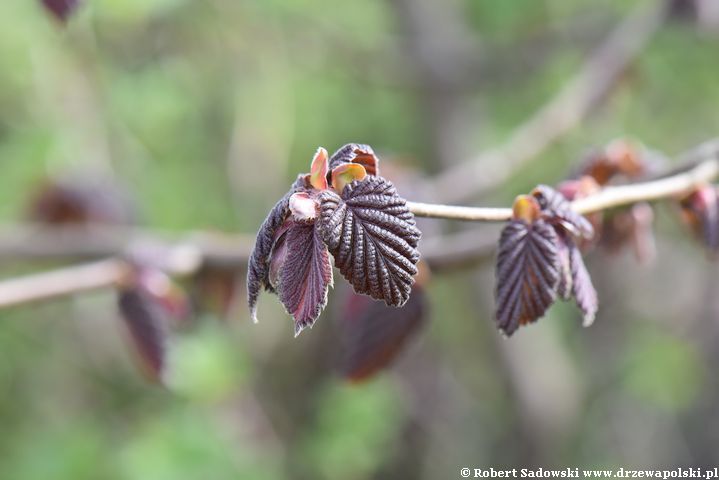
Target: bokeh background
[{"x": 203, "y": 111}]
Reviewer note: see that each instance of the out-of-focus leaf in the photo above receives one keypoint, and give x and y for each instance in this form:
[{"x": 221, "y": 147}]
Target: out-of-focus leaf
[
  {"x": 700, "y": 210},
  {"x": 61, "y": 9},
  {"x": 374, "y": 334},
  {"x": 356, "y": 153},
  {"x": 373, "y": 237},
  {"x": 147, "y": 321},
  {"x": 527, "y": 273},
  {"x": 582, "y": 288},
  {"x": 306, "y": 275},
  {"x": 345, "y": 174},
  {"x": 258, "y": 268}
]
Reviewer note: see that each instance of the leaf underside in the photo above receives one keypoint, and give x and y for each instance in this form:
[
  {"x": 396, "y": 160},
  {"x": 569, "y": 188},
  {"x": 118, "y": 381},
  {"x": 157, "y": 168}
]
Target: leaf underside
[
  {"x": 373, "y": 237},
  {"x": 527, "y": 273},
  {"x": 258, "y": 267},
  {"x": 147, "y": 323},
  {"x": 582, "y": 288},
  {"x": 374, "y": 334},
  {"x": 356, "y": 153},
  {"x": 306, "y": 275}
]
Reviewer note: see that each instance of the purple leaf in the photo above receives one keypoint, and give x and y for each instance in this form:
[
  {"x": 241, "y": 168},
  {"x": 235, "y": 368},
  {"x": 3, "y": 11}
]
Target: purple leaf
[
  {"x": 356, "y": 153},
  {"x": 258, "y": 268},
  {"x": 557, "y": 210},
  {"x": 582, "y": 288},
  {"x": 305, "y": 276},
  {"x": 527, "y": 273},
  {"x": 147, "y": 321},
  {"x": 374, "y": 334},
  {"x": 61, "y": 9},
  {"x": 565, "y": 247},
  {"x": 373, "y": 237}
]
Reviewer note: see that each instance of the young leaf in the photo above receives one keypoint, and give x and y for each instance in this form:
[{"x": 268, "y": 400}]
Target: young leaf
[
  {"x": 373, "y": 237},
  {"x": 582, "y": 288},
  {"x": 305, "y": 276},
  {"x": 258, "y": 268},
  {"x": 147, "y": 321},
  {"x": 557, "y": 210},
  {"x": 374, "y": 334},
  {"x": 345, "y": 174},
  {"x": 527, "y": 273},
  {"x": 319, "y": 170},
  {"x": 356, "y": 153}
]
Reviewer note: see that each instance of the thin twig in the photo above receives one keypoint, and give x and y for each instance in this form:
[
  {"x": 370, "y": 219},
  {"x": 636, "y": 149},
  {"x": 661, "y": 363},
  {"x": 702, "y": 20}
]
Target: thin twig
[{"x": 562, "y": 113}]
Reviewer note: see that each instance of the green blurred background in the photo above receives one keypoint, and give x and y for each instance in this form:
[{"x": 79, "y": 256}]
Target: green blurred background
[{"x": 205, "y": 110}]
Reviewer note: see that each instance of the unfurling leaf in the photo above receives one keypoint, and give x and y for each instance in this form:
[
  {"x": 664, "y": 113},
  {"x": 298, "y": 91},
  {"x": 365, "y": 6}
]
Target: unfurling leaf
[
  {"x": 539, "y": 261},
  {"x": 358, "y": 154},
  {"x": 147, "y": 321},
  {"x": 341, "y": 207},
  {"x": 557, "y": 210},
  {"x": 345, "y": 174},
  {"x": 582, "y": 288},
  {"x": 319, "y": 169},
  {"x": 527, "y": 273},
  {"x": 373, "y": 237},
  {"x": 374, "y": 334},
  {"x": 258, "y": 268},
  {"x": 61, "y": 9},
  {"x": 305, "y": 276}
]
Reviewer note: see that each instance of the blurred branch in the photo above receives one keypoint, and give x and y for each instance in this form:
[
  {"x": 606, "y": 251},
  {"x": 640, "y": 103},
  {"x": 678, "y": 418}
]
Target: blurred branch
[
  {"x": 562, "y": 113},
  {"x": 702, "y": 168}
]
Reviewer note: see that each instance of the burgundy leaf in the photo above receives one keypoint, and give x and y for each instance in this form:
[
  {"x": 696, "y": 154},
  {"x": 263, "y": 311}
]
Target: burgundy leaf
[
  {"x": 356, "y": 153},
  {"x": 582, "y": 288},
  {"x": 258, "y": 268},
  {"x": 305, "y": 276},
  {"x": 373, "y": 237},
  {"x": 147, "y": 321},
  {"x": 61, "y": 9},
  {"x": 564, "y": 249},
  {"x": 700, "y": 210},
  {"x": 557, "y": 210},
  {"x": 527, "y": 273},
  {"x": 374, "y": 334}
]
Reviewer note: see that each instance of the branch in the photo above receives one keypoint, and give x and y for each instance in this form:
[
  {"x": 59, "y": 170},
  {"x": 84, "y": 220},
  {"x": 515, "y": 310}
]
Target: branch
[
  {"x": 562, "y": 113},
  {"x": 699, "y": 172}
]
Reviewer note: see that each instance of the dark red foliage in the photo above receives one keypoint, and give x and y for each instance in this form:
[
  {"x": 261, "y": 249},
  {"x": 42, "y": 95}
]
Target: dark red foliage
[
  {"x": 373, "y": 237},
  {"x": 374, "y": 334},
  {"x": 147, "y": 321},
  {"x": 527, "y": 273},
  {"x": 700, "y": 210},
  {"x": 539, "y": 261},
  {"x": 305, "y": 276},
  {"x": 61, "y": 9},
  {"x": 356, "y": 153}
]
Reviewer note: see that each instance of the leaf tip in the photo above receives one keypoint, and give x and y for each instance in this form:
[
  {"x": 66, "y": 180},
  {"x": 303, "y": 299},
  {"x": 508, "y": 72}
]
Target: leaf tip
[
  {"x": 346, "y": 174},
  {"x": 526, "y": 208},
  {"x": 319, "y": 169}
]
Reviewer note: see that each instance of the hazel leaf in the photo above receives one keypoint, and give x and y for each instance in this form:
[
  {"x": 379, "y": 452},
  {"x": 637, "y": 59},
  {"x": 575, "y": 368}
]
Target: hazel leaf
[
  {"x": 319, "y": 169},
  {"x": 557, "y": 210},
  {"x": 356, "y": 153},
  {"x": 305, "y": 276},
  {"x": 147, "y": 322},
  {"x": 527, "y": 273},
  {"x": 345, "y": 174},
  {"x": 258, "y": 268},
  {"x": 582, "y": 288},
  {"x": 374, "y": 334},
  {"x": 373, "y": 237}
]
